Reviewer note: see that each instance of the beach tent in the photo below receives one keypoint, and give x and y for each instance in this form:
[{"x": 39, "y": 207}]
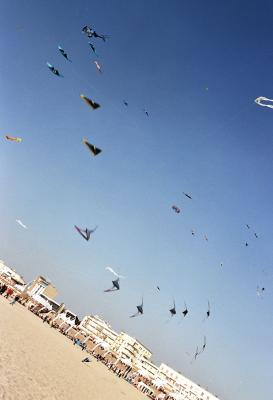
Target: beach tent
[{"x": 102, "y": 344}]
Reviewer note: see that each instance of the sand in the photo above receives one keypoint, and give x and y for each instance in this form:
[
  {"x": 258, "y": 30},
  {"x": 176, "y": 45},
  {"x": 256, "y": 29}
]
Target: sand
[{"x": 37, "y": 362}]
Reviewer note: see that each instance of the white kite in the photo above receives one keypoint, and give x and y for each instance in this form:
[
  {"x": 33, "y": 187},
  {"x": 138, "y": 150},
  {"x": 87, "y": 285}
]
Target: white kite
[
  {"x": 21, "y": 223},
  {"x": 260, "y": 291},
  {"x": 114, "y": 272},
  {"x": 260, "y": 99},
  {"x": 98, "y": 66}
]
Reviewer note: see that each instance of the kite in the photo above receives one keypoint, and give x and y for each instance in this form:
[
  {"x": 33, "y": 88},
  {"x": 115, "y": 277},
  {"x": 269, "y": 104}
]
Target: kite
[
  {"x": 139, "y": 310},
  {"x": 176, "y": 209},
  {"x": 206, "y": 238},
  {"x": 146, "y": 112},
  {"x": 94, "y": 150},
  {"x": 98, "y": 66},
  {"x": 193, "y": 232},
  {"x": 114, "y": 272},
  {"x": 54, "y": 70},
  {"x": 90, "y": 102},
  {"x": 260, "y": 291},
  {"x": 208, "y": 312},
  {"x": 187, "y": 195},
  {"x": 173, "y": 309},
  {"x": 246, "y": 244},
  {"x": 89, "y": 32},
  {"x": 204, "y": 345},
  {"x": 185, "y": 312},
  {"x": 158, "y": 288},
  {"x": 125, "y": 103},
  {"x": 63, "y": 53},
  {"x": 86, "y": 360},
  {"x": 93, "y": 48},
  {"x": 85, "y": 233},
  {"x": 259, "y": 101},
  {"x": 14, "y": 139},
  {"x": 114, "y": 287},
  {"x": 21, "y": 223},
  {"x": 248, "y": 227},
  {"x": 256, "y": 236},
  {"x": 196, "y": 353}
]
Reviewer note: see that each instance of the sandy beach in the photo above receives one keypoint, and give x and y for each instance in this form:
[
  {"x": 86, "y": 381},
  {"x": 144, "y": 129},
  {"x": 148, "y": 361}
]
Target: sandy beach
[{"x": 37, "y": 362}]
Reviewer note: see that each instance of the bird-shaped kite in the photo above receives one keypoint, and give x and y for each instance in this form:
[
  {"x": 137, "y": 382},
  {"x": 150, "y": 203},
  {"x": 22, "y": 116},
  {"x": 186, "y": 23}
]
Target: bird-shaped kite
[
  {"x": 90, "y": 32},
  {"x": 90, "y": 102},
  {"x": 176, "y": 209},
  {"x": 93, "y": 48},
  {"x": 114, "y": 287},
  {"x": 54, "y": 70},
  {"x": 13, "y": 139},
  {"x": 98, "y": 66},
  {"x": 208, "y": 311},
  {"x": 204, "y": 345},
  {"x": 187, "y": 195},
  {"x": 139, "y": 310},
  {"x": 114, "y": 272},
  {"x": 115, "y": 283},
  {"x": 21, "y": 223},
  {"x": 196, "y": 353},
  {"x": 173, "y": 309},
  {"x": 94, "y": 150},
  {"x": 146, "y": 112},
  {"x": 185, "y": 312},
  {"x": 260, "y": 291},
  {"x": 61, "y": 50},
  {"x": 85, "y": 233}
]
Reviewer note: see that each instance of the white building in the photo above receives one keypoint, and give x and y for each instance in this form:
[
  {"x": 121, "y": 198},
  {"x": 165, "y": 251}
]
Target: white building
[
  {"x": 98, "y": 329},
  {"x": 10, "y": 273},
  {"x": 147, "y": 368},
  {"x": 178, "y": 384},
  {"x": 128, "y": 347}
]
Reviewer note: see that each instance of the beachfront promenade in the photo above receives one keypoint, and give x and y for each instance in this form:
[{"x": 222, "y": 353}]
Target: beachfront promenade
[
  {"x": 38, "y": 363},
  {"x": 120, "y": 355}
]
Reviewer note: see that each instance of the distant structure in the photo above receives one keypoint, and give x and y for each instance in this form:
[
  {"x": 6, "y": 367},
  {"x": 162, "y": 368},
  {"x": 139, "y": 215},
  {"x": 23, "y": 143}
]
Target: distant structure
[
  {"x": 181, "y": 387},
  {"x": 11, "y": 275},
  {"x": 129, "y": 347},
  {"x": 98, "y": 329}
]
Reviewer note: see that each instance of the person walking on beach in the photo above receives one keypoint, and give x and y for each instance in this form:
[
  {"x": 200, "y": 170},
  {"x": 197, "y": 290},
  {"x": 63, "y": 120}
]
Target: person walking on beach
[{"x": 13, "y": 301}]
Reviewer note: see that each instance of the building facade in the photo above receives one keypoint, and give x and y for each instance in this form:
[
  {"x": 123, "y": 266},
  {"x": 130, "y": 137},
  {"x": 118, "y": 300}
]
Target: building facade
[
  {"x": 98, "y": 329},
  {"x": 10, "y": 274},
  {"x": 180, "y": 385},
  {"x": 128, "y": 347}
]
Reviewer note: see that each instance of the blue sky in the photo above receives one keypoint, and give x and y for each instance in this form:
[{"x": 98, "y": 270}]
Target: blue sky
[{"x": 197, "y": 68}]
